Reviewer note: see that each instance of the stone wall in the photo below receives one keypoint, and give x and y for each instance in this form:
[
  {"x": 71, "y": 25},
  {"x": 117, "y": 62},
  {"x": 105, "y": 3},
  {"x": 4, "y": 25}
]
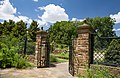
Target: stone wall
[
  {"x": 83, "y": 55},
  {"x": 81, "y": 49},
  {"x": 41, "y": 52},
  {"x": 111, "y": 69}
]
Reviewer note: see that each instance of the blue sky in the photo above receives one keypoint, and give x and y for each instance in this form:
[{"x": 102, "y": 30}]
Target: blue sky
[{"x": 47, "y": 12}]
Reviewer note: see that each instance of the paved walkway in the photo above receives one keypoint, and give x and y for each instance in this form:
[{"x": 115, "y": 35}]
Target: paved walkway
[{"x": 59, "y": 71}]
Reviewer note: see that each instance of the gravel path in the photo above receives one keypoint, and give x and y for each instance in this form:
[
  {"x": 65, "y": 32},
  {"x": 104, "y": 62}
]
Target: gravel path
[{"x": 59, "y": 71}]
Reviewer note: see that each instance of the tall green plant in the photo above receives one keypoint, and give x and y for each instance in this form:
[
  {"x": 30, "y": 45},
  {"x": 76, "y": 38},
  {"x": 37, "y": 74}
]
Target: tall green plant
[{"x": 9, "y": 56}]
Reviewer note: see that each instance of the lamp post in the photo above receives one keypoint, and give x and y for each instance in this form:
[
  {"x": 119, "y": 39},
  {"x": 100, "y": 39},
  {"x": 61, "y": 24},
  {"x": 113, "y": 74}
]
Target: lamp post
[{"x": 25, "y": 42}]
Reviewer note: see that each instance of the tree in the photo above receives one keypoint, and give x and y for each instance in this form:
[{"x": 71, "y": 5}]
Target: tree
[
  {"x": 33, "y": 29},
  {"x": 10, "y": 27},
  {"x": 1, "y": 29},
  {"x": 103, "y": 28},
  {"x": 62, "y": 32},
  {"x": 7, "y": 27},
  {"x": 20, "y": 29},
  {"x": 9, "y": 56}
]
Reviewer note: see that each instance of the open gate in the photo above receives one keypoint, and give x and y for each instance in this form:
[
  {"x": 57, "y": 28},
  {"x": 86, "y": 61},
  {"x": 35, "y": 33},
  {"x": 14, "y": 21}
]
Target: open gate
[{"x": 71, "y": 56}]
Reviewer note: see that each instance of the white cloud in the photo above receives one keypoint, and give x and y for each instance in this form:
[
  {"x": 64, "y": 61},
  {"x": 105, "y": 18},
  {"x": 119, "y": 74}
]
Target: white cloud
[
  {"x": 41, "y": 8},
  {"x": 7, "y": 8},
  {"x": 35, "y": 0},
  {"x": 116, "y": 17},
  {"x": 41, "y": 23},
  {"x": 116, "y": 29},
  {"x": 53, "y": 13},
  {"x": 7, "y": 11},
  {"x": 75, "y": 19},
  {"x": 25, "y": 19},
  {"x": 19, "y": 13}
]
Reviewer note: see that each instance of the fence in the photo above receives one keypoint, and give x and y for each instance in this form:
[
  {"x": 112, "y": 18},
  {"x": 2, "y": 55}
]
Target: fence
[{"x": 106, "y": 51}]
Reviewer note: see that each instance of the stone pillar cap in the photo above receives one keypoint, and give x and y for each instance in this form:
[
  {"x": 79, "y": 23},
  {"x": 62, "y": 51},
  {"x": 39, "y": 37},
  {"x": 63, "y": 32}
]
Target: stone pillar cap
[
  {"x": 41, "y": 31},
  {"x": 84, "y": 26}
]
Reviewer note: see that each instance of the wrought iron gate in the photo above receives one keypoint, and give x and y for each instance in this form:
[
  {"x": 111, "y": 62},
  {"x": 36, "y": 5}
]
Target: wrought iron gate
[
  {"x": 71, "y": 64},
  {"x": 72, "y": 56},
  {"x": 106, "y": 51}
]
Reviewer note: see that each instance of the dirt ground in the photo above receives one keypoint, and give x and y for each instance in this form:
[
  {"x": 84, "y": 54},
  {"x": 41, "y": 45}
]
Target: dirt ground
[{"x": 57, "y": 71}]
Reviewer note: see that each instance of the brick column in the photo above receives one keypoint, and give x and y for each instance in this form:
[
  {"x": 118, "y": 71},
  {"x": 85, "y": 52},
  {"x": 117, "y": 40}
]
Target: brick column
[
  {"x": 82, "y": 49},
  {"x": 41, "y": 51}
]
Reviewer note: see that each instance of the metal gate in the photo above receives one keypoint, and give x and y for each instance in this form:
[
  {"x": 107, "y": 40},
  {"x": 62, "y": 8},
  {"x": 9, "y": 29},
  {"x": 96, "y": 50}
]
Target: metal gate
[
  {"x": 71, "y": 64},
  {"x": 106, "y": 51},
  {"x": 72, "y": 56}
]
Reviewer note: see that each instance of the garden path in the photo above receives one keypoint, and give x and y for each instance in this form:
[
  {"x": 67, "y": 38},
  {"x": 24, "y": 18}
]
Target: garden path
[{"x": 58, "y": 71}]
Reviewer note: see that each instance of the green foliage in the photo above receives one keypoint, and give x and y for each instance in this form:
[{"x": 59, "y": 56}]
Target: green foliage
[
  {"x": 16, "y": 32},
  {"x": 7, "y": 27},
  {"x": 12, "y": 42},
  {"x": 32, "y": 30},
  {"x": 20, "y": 29},
  {"x": 99, "y": 72},
  {"x": 60, "y": 60},
  {"x": 63, "y": 55},
  {"x": 22, "y": 63},
  {"x": 30, "y": 48},
  {"x": 62, "y": 32},
  {"x": 112, "y": 54},
  {"x": 104, "y": 25},
  {"x": 54, "y": 58},
  {"x": 9, "y": 56},
  {"x": 10, "y": 27},
  {"x": 103, "y": 28}
]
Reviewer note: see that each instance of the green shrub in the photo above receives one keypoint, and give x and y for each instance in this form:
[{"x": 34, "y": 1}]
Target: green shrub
[
  {"x": 9, "y": 56},
  {"x": 63, "y": 55},
  {"x": 112, "y": 55},
  {"x": 30, "y": 47},
  {"x": 23, "y": 63},
  {"x": 53, "y": 58}
]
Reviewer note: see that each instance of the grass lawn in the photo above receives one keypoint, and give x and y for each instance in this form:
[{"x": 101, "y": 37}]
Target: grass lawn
[{"x": 57, "y": 59}]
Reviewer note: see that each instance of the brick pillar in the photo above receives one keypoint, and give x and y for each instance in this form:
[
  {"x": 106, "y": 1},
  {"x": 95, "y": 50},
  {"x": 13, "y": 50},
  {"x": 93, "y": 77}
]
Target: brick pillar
[
  {"x": 41, "y": 51},
  {"x": 82, "y": 49}
]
